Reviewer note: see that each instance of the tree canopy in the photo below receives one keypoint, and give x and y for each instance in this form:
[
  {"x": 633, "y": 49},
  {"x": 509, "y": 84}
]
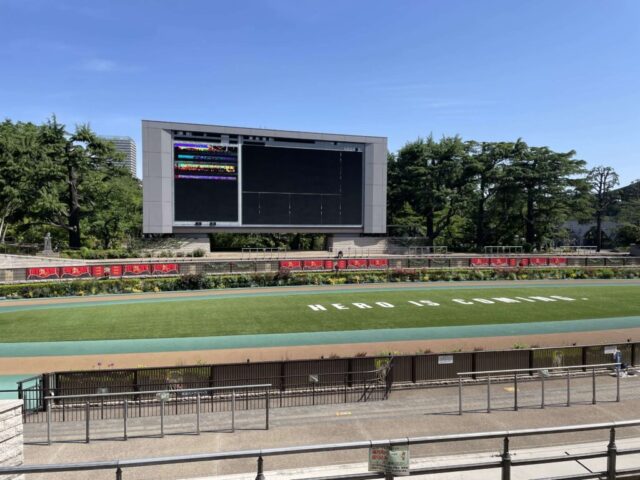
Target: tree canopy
[{"x": 71, "y": 183}]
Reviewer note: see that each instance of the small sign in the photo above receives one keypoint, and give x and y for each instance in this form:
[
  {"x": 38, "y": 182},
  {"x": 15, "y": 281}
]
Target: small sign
[
  {"x": 610, "y": 349},
  {"x": 163, "y": 396},
  {"x": 390, "y": 460},
  {"x": 445, "y": 359},
  {"x": 313, "y": 379}
]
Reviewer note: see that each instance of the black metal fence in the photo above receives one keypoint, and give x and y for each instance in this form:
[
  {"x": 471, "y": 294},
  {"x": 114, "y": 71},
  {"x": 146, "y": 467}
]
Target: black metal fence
[
  {"x": 304, "y": 382},
  {"x": 310, "y": 383}
]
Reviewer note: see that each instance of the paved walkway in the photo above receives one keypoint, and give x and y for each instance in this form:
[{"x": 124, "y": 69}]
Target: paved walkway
[{"x": 408, "y": 413}]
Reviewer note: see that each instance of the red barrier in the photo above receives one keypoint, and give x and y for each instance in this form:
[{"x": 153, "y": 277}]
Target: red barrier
[
  {"x": 41, "y": 273},
  {"x": 538, "y": 261},
  {"x": 480, "y": 262},
  {"x": 165, "y": 268},
  {"x": 356, "y": 263},
  {"x": 76, "y": 272},
  {"x": 558, "y": 261},
  {"x": 499, "y": 261},
  {"x": 291, "y": 264},
  {"x": 341, "y": 264},
  {"x": 115, "y": 270},
  {"x": 524, "y": 262},
  {"x": 135, "y": 269},
  {"x": 314, "y": 265},
  {"x": 378, "y": 263},
  {"x": 328, "y": 264}
]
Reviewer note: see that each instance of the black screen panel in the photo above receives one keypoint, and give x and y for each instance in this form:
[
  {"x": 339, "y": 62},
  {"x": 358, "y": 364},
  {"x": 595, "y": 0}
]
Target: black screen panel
[{"x": 298, "y": 186}]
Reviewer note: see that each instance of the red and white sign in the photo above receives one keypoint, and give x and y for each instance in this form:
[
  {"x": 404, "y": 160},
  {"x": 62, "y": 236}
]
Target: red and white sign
[
  {"x": 41, "y": 273},
  {"x": 499, "y": 261},
  {"x": 313, "y": 265},
  {"x": 115, "y": 270},
  {"x": 378, "y": 263},
  {"x": 538, "y": 261},
  {"x": 479, "y": 262},
  {"x": 165, "y": 268},
  {"x": 135, "y": 269},
  {"x": 356, "y": 263},
  {"x": 291, "y": 264},
  {"x": 558, "y": 261},
  {"x": 76, "y": 272}
]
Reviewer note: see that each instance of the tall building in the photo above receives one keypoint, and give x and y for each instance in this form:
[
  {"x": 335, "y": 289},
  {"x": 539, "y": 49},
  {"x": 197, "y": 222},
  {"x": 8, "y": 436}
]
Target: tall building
[{"x": 127, "y": 146}]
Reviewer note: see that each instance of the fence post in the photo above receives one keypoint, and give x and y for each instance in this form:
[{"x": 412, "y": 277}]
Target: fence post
[
  {"x": 506, "y": 461},
  {"x": 48, "y": 422},
  {"x": 593, "y": 385},
  {"x": 233, "y": 410},
  {"x": 568, "y": 388},
  {"x": 515, "y": 392},
  {"x": 162, "y": 417},
  {"x": 125, "y": 414},
  {"x": 612, "y": 451},
  {"x": 618, "y": 383},
  {"x": 459, "y": 395},
  {"x": 86, "y": 414},
  {"x": 260, "y": 475},
  {"x": 198, "y": 413},
  {"x": 542, "y": 386},
  {"x": 118, "y": 473},
  {"x": 488, "y": 393},
  {"x": 267, "y": 412}
]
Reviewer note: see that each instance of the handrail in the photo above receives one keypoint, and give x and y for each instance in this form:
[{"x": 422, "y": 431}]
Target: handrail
[
  {"x": 517, "y": 370},
  {"x": 147, "y": 392},
  {"x": 305, "y": 449}
]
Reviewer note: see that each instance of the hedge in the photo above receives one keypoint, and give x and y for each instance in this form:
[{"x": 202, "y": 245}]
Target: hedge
[{"x": 284, "y": 278}]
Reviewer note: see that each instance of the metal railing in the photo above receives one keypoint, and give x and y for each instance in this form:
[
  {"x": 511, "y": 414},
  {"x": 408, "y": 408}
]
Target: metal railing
[
  {"x": 542, "y": 373},
  {"x": 505, "y": 463},
  {"x": 125, "y": 404},
  {"x": 263, "y": 253},
  {"x": 501, "y": 249}
]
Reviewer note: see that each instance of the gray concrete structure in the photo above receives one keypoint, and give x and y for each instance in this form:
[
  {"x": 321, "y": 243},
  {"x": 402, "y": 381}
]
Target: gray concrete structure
[
  {"x": 11, "y": 441},
  {"x": 158, "y": 184}
]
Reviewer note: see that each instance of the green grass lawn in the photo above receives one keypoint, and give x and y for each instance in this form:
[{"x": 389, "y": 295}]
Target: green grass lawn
[{"x": 290, "y": 313}]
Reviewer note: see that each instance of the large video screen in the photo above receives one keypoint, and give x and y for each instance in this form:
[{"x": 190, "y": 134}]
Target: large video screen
[
  {"x": 205, "y": 182},
  {"x": 300, "y": 186}
]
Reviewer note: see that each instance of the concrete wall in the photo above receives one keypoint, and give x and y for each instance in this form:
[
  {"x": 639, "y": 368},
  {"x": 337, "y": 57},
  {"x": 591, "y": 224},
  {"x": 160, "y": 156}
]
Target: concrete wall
[
  {"x": 11, "y": 441},
  {"x": 157, "y": 171}
]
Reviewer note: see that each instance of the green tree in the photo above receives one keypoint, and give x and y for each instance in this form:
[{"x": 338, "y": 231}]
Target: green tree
[
  {"x": 63, "y": 184},
  {"x": 427, "y": 178},
  {"x": 116, "y": 209},
  {"x": 18, "y": 150},
  {"x": 547, "y": 185},
  {"x": 602, "y": 180}
]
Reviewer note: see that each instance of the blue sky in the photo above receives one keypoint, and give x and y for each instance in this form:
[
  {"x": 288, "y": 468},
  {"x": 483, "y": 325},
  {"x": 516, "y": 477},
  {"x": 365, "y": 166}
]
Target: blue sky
[{"x": 561, "y": 73}]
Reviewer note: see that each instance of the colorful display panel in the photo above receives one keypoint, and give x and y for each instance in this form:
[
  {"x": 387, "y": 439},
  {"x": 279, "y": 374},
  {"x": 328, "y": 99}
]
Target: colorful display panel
[{"x": 205, "y": 182}]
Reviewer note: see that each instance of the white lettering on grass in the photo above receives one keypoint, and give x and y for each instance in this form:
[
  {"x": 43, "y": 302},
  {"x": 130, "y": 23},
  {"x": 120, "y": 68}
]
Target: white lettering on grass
[
  {"x": 543, "y": 299},
  {"x": 429, "y": 303},
  {"x": 384, "y": 304},
  {"x": 461, "y": 302},
  {"x": 483, "y": 300},
  {"x": 566, "y": 299},
  {"x": 525, "y": 299},
  {"x": 417, "y": 304},
  {"x": 339, "y": 306},
  {"x": 362, "y": 305},
  {"x": 505, "y": 300},
  {"x": 317, "y": 308}
]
